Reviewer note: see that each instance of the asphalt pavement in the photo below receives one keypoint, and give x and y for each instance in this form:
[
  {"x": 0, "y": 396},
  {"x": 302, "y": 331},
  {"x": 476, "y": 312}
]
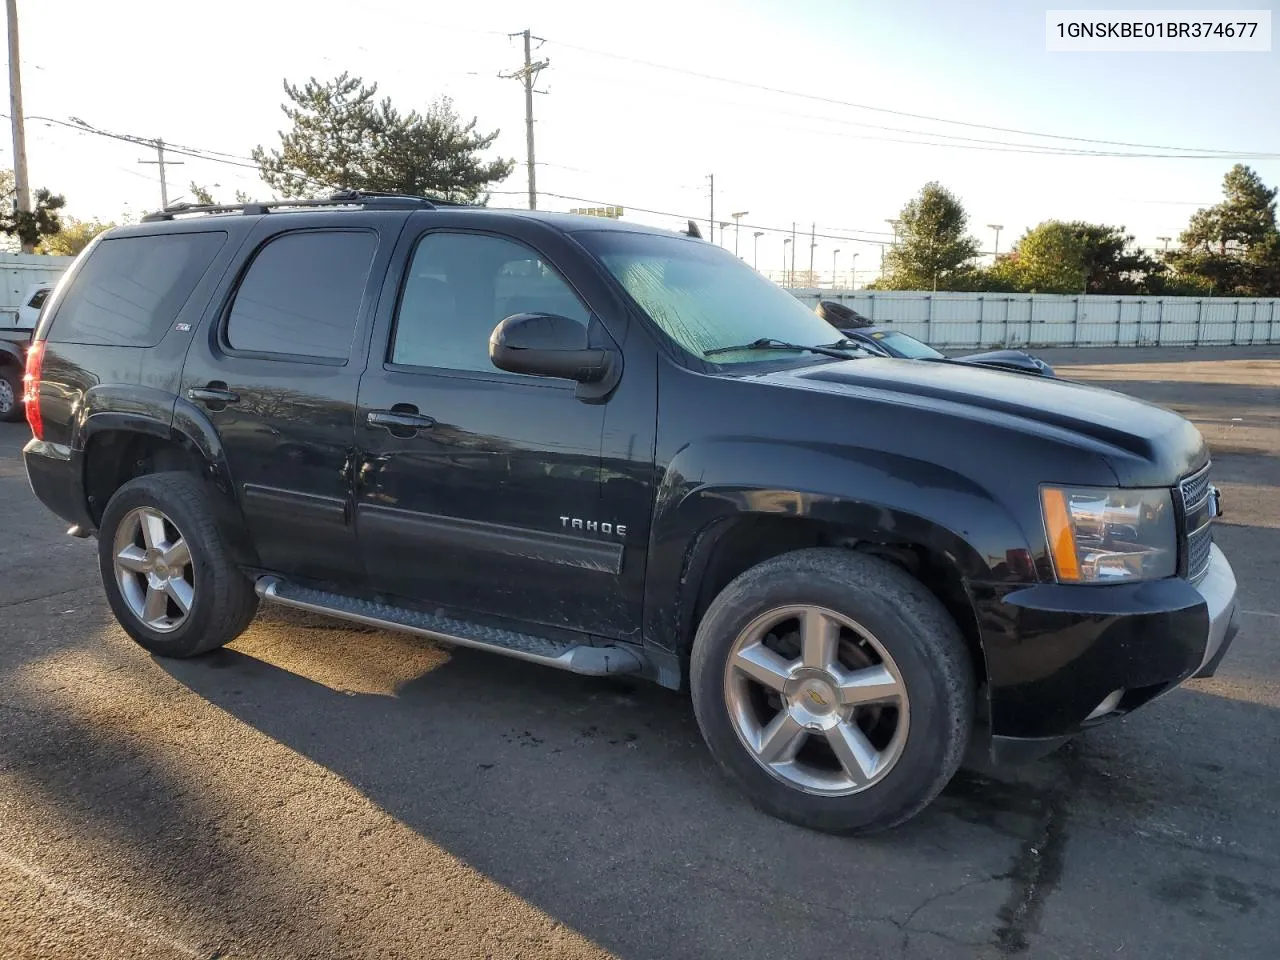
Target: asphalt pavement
[{"x": 318, "y": 790}]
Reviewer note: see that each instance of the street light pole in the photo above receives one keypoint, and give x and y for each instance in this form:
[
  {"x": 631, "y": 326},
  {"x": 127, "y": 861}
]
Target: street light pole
[
  {"x": 737, "y": 222},
  {"x": 792, "y": 255},
  {"x": 755, "y": 251},
  {"x": 895, "y": 224},
  {"x": 853, "y": 272},
  {"x": 786, "y": 276},
  {"x": 997, "y": 227},
  {"x": 813, "y": 245},
  {"x": 834, "y": 257}
]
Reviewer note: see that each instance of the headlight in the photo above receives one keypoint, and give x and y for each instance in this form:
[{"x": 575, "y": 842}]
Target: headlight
[{"x": 1098, "y": 535}]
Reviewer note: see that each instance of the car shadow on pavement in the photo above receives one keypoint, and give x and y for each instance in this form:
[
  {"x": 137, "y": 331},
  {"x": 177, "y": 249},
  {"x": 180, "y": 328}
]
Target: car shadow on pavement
[{"x": 596, "y": 801}]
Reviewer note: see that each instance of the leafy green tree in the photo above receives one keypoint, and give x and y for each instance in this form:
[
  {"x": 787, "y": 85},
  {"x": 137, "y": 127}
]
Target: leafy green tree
[
  {"x": 1233, "y": 246},
  {"x": 341, "y": 136},
  {"x": 1077, "y": 257},
  {"x": 934, "y": 250},
  {"x": 73, "y": 237}
]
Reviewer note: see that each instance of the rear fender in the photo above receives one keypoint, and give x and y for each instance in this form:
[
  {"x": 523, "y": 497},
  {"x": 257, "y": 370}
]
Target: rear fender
[{"x": 158, "y": 414}]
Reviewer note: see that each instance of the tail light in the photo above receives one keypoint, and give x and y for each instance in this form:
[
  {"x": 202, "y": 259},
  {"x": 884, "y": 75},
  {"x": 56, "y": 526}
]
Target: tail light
[{"x": 31, "y": 388}]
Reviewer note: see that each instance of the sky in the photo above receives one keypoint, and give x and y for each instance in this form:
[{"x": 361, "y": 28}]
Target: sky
[{"x": 617, "y": 131}]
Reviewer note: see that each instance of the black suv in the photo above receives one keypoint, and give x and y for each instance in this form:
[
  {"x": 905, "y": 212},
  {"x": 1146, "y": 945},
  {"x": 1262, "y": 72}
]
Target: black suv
[{"x": 616, "y": 450}]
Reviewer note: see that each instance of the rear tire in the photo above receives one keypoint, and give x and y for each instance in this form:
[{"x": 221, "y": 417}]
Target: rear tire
[
  {"x": 834, "y": 688},
  {"x": 10, "y": 394},
  {"x": 167, "y": 575}
]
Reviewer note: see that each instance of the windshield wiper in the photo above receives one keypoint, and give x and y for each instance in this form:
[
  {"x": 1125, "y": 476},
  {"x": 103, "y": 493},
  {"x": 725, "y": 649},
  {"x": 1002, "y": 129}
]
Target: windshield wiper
[{"x": 768, "y": 343}]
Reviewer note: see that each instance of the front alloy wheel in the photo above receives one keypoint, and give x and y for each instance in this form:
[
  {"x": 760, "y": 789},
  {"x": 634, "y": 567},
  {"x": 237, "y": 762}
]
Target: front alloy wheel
[{"x": 817, "y": 700}]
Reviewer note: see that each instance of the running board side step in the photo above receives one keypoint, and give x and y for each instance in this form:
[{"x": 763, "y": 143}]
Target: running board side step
[{"x": 576, "y": 658}]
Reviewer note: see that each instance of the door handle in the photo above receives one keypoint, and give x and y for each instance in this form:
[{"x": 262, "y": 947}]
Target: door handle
[
  {"x": 212, "y": 395},
  {"x": 399, "y": 419}
]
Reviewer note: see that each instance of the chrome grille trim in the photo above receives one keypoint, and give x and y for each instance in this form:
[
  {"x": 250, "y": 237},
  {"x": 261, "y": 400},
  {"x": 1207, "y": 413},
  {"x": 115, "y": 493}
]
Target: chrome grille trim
[
  {"x": 1195, "y": 488},
  {"x": 1193, "y": 491}
]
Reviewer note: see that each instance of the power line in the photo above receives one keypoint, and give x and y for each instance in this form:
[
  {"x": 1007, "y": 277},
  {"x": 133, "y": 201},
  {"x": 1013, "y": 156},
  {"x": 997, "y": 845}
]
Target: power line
[
  {"x": 964, "y": 141},
  {"x": 1229, "y": 154},
  {"x": 687, "y": 216}
]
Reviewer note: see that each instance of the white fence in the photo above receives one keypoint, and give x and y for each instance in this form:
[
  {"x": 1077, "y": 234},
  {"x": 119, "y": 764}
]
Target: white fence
[
  {"x": 1044, "y": 320},
  {"x": 18, "y": 271}
]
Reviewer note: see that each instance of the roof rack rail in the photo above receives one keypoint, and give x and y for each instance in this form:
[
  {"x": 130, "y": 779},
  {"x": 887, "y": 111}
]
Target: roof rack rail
[{"x": 340, "y": 198}]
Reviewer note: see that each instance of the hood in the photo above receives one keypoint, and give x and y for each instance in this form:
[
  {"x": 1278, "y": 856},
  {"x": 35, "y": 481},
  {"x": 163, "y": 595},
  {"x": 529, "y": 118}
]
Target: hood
[{"x": 1144, "y": 444}]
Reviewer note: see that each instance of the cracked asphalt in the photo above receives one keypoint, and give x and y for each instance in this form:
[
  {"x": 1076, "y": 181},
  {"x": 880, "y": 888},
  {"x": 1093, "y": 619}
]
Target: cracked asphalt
[{"x": 322, "y": 791}]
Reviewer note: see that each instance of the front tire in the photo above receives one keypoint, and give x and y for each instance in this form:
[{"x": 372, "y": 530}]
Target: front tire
[
  {"x": 834, "y": 688},
  {"x": 166, "y": 573}
]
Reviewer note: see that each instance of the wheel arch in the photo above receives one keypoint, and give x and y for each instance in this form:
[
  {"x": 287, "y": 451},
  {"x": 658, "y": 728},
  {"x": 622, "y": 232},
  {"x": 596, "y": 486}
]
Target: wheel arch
[{"x": 116, "y": 446}]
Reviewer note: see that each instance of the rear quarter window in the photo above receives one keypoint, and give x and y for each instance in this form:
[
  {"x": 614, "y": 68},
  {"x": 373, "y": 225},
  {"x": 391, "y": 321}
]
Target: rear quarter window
[{"x": 130, "y": 290}]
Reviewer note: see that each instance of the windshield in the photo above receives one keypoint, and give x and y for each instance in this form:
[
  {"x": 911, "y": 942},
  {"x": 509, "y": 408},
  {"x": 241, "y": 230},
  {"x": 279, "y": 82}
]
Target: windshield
[
  {"x": 901, "y": 345},
  {"x": 705, "y": 298}
]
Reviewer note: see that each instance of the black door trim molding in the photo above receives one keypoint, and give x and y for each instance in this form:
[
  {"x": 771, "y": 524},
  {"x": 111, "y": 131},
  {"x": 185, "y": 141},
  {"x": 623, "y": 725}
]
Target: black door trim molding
[
  {"x": 293, "y": 506},
  {"x": 434, "y": 532}
]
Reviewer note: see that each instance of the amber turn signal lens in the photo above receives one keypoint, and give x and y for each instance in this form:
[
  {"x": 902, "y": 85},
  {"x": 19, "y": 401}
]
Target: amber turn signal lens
[{"x": 1062, "y": 541}]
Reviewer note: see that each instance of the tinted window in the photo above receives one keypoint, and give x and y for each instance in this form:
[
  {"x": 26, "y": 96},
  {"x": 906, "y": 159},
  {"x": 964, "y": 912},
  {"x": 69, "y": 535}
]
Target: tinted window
[
  {"x": 130, "y": 289},
  {"x": 302, "y": 295},
  {"x": 458, "y": 289},
  {"x": 38, "y": 299}
]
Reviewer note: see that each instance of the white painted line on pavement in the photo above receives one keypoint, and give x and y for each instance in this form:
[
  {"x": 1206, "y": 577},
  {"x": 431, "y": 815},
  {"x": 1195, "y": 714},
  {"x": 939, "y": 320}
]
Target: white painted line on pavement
[{"x": 94, "y": 904}]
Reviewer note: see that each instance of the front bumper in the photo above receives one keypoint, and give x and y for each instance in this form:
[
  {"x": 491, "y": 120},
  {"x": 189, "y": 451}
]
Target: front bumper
[{"x": 1063, "y": 657}]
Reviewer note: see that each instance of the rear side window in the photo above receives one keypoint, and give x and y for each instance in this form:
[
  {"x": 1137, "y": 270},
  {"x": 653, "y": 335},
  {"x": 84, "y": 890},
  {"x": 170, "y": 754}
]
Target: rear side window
[
  {"x": 130, "y": 290},
  {"x": 38, "y": 299},
  {"x": 302, "y": 295}
]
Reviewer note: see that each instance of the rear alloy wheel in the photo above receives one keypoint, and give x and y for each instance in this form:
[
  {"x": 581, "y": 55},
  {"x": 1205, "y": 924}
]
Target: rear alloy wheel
[
  {"x": 154, "y": 569},
  {"x": 834, "y": 688},
  {"x": 167, "y": 574}
]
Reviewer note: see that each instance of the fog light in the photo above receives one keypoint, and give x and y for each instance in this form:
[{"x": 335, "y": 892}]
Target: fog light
[{"x": 1107, "y": 705}]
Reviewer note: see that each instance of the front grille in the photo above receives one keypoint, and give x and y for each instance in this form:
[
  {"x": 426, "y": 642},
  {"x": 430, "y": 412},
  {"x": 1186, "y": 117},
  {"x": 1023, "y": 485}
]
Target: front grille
[
  {"x": 1196, "y": 534},
  {"x": 1195, "y": 487},
  {"x": 1198, "y": 544}
]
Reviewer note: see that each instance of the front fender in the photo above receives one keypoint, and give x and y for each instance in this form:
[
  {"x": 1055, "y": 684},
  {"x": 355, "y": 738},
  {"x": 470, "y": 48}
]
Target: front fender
[{"x": 855, "y": 493}]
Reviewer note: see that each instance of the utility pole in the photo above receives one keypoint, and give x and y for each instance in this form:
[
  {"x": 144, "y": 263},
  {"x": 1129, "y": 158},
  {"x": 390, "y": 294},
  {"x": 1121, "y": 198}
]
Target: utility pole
[
  {"x": 737, "y": 223},
  {"x": 997, "y": 227},
  {"x": 895, "y": 224},
  {"x": 711, "y": 222},
  {"x": 528, "y": 76},
  {"x": 1166, "y": 244},
  {"x": 22, "y": 200},
  {"x": 755, "y": 252},
  {"x": 160, "y": 162}
]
